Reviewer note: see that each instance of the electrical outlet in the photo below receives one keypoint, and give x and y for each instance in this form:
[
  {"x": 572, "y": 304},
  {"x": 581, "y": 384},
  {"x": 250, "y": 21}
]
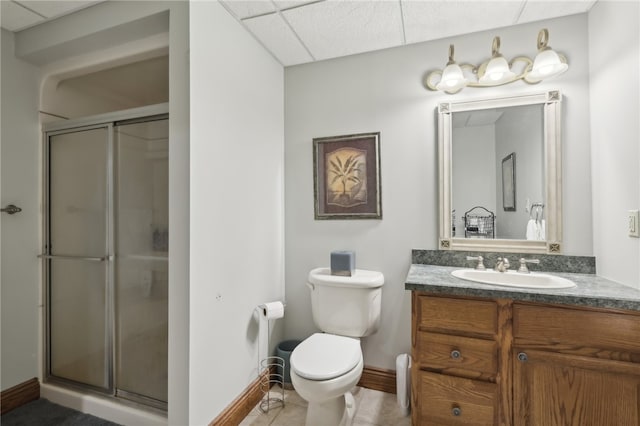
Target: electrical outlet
[{"x": 634, "y": 218}]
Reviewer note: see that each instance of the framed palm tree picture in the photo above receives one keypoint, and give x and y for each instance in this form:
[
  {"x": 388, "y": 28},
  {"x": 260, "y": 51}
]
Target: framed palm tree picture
[{"x": 346, "y": 177}]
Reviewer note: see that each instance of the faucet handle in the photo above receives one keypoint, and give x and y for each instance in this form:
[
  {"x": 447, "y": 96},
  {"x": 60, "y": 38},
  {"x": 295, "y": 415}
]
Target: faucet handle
[
  {"x": 480, "y": 266},
  {"x": 523, "y": 264}
]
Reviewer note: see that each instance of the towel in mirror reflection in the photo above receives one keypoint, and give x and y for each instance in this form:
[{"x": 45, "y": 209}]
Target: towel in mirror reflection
[{"x": 536, "y": 230}]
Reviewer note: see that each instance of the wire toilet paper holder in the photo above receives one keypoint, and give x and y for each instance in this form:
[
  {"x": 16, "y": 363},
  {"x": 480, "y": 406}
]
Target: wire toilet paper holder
[
  {"x": 272, "y": 373},
  {"x": 271, "y": 369}
]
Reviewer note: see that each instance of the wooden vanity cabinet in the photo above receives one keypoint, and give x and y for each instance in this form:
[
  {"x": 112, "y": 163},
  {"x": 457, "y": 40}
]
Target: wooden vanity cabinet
[
  {"x": 557, "y": 389},
  {"x": 574, "y": 366},
  {"x": 496, "y": 362},
  {"x": 459, "y": 361}
]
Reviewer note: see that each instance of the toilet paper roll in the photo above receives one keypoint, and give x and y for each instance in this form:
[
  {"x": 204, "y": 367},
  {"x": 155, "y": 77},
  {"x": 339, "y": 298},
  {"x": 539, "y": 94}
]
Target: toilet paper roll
[{"x": 272, "y": 310}]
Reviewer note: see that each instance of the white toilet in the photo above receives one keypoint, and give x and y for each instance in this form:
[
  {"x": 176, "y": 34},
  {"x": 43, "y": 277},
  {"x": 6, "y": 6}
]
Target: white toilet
[{"x": 326, "y": 366}]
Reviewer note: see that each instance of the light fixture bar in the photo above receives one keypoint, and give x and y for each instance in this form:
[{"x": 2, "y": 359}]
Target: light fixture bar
[{"x": 497, "y": 70}]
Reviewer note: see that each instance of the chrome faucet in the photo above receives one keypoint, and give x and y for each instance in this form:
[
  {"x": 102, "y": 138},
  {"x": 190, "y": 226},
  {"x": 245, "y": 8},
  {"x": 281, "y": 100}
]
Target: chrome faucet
[{"x": 502, "y": 264}]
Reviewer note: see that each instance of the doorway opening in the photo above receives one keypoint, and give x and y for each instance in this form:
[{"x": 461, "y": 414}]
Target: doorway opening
[{"x": 106, "y": 230}]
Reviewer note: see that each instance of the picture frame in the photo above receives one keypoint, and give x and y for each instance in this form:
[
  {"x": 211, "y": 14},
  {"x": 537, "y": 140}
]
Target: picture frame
[
  {"x": 509, "y": 183},
  {"x": 346, "y": 177}
]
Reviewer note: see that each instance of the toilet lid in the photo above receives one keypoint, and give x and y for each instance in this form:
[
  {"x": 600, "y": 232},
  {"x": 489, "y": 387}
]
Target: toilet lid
[{"x": 325, "y": 356}]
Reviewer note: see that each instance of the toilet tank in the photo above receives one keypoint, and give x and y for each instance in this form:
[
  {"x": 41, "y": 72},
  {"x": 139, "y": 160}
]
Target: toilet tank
[{"x": 347, "y": 306}]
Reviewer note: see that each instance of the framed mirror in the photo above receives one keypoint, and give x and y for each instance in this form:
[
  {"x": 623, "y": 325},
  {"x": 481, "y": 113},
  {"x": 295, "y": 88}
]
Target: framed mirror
[{"x": 501, "y": 174}]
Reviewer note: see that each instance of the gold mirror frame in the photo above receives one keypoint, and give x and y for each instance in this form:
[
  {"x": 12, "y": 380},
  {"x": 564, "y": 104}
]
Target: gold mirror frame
[{"x": 552, "y": 109}]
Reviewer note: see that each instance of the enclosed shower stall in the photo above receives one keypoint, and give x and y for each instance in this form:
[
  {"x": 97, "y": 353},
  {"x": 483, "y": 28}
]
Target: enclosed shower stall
[{"x": 105, "y": 254}]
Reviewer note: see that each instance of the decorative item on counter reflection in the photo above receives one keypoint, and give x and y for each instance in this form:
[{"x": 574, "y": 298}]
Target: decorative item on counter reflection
[{"x": 160, "y": 239}]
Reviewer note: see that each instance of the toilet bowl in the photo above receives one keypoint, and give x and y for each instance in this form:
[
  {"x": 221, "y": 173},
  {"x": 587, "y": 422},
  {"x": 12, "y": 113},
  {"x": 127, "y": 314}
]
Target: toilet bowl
[{"x": 324, "y": 368}]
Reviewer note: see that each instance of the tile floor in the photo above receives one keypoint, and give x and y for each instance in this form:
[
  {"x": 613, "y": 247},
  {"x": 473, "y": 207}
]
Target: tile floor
[{"x": 374, "y": 408}]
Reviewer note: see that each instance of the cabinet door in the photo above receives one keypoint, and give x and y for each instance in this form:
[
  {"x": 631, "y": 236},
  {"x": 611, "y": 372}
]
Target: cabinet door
[{"x": 555, "y": 389}]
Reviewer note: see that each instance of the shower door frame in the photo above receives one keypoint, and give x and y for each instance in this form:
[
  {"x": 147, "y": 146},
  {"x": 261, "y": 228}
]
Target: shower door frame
[
  {"x": 108, "y": 121},
  {"x": 107, "y": 257}
]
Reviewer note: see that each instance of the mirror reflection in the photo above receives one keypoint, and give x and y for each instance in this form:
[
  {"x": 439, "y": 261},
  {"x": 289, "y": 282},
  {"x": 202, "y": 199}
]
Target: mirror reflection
[{"x": 498, "y": 173}]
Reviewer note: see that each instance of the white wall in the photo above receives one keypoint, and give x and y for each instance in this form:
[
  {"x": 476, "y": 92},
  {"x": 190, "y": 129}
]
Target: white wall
[
  {"x": 20, "y": 233},
  {"x": 179, "y": 148},
  {"x": 474, "y": 181},
  {"x": 119, "y": 87},
  {"x": 520, "y": 130},
  {"x": 614, "y": 66},
  {"x": 383, "y": 91},
  {"x": 237, "y": 191}
]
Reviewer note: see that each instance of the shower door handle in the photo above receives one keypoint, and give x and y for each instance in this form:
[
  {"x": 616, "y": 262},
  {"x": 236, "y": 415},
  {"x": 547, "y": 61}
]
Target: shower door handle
[
  {"x": 92, "y": 259},
  {"x": 11, "y": 209}
]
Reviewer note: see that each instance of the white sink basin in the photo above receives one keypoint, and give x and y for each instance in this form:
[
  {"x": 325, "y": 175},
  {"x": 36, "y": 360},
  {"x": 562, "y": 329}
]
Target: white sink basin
[{"x": 513, "y": 279}]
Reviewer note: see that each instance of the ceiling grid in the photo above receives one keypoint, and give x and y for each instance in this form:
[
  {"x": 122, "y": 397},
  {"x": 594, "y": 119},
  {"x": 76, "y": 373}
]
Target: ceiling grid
[
  {"x": 18, "y": 15},
  {"x": 300, "y": 31},
  {"x": 333, "y": 28}
]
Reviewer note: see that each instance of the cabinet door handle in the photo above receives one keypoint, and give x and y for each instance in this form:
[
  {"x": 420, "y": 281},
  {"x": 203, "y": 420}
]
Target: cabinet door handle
[
  {"x": 522, "y": 357},
  {"x": 455, "y": 354},
  {"x": 11, "y": 209},
  {"x": 456, "y": 411}
]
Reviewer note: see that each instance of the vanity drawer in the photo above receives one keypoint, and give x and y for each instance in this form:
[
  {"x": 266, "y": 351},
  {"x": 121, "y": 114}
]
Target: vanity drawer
[
  {"x": 449, "y": 354},
  {"x": 580, "y": 331},
  {"x": 465, "y": 316},
  {"x": 455, "y": 401}
]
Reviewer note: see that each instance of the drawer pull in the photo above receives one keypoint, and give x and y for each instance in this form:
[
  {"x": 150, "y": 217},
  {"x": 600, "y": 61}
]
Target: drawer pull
[
  {"x": 456, "y": 411},
  {"x": 523, "y": 357},
  {"x": 455, "y": 354}
]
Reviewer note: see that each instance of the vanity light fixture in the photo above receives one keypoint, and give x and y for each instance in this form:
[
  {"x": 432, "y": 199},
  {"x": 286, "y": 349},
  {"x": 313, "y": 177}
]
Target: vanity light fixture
[
  {"x": 497, "y": 71},
  {"x": 453, "y": 78},
  {"x": 547, "y": 62}
]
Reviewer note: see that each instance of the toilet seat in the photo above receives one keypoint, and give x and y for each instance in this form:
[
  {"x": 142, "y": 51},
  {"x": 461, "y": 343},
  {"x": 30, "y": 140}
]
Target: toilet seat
[{"x": 325, "y": 356}]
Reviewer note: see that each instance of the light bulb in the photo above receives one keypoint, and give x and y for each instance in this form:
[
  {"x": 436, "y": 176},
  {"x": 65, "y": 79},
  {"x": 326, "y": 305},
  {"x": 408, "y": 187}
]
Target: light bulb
[
  {"x": 497, "y": 72},
  {"x": 546, "y": 64},
  {"x": 452, "y": 78}
]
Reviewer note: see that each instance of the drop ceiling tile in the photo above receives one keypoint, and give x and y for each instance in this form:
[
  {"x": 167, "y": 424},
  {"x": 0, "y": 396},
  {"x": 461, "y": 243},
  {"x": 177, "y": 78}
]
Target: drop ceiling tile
[
  {"x": 430, "y": 20},
  {"x": 338, "y": 28},
  {"x": 276, "y": 36},
  {"x": 15, "y": 17},
  {"x": 459, "y": 119},
  {"x": 484, "y": 117},
  {"x": 535, "y": 10},
  {"x": 245, "y": 9},
  {"x": 52, "y": 9}
]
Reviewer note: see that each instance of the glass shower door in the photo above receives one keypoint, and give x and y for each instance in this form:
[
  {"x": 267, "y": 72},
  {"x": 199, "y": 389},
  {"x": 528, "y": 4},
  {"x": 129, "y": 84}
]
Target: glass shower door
[
  {"x": 141, "y": 266},
  {"x": 106, "y": 258},
  {"x": 77, "y": 261}
]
